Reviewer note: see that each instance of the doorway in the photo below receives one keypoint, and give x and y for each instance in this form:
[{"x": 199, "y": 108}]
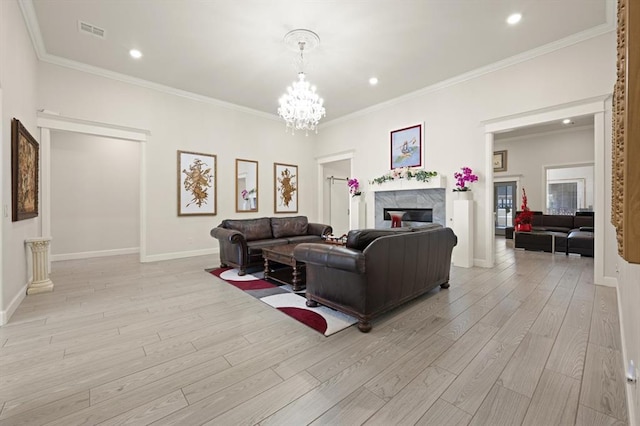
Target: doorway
[{"x": 504, "y": 204}]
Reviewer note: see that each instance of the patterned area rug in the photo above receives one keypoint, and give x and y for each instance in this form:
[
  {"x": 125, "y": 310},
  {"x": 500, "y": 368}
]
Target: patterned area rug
[{"x": 322, "y": 319}]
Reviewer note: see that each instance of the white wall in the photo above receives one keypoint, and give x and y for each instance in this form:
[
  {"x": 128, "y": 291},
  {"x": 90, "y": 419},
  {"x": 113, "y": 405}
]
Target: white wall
[
  {"x": 18, "y": 67},
  {"x": 454, "y": 116},
  {"x": 628, "y": 298},
  {"x": 95, "y": 195},
  {"x": 527, "y": 157},
  {"x": 180, "y": 123}
]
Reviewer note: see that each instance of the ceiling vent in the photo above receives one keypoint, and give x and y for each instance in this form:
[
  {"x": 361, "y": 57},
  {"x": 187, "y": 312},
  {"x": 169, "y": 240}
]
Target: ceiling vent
[{"x": 87, "y": 28}]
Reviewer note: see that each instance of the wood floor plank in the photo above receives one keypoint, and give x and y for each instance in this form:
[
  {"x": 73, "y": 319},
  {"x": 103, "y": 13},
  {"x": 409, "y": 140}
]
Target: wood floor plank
[
  {"x": 442, "y": 413},
  {"x": 569, "y": 351},
  {"x": 355, "y": 409},
  {"x": 170, "y": 344},
  {"x": 501, "y": 313},
  {"x": 330, "y": 392},
  {"x": 476, "y": 380},
  {"x": 412, "y": 402},
  {"x": 590, "y": 417},
  {"x": 47, "y": 412},
  {"x": 220, "y": 402},
  {"x": 393, "y": 379},
  {"x": 148, "y": 413},
  {"x": 605, "y": 326},
  {"x": 501, "y": 407},
  {"x": 523, "y": 371},
  {"x": 268, "y": 402},
  {"x": 458, "y": 356},
  {"x": 555, "y": 401},
  {"x": 603, "y": 387}
]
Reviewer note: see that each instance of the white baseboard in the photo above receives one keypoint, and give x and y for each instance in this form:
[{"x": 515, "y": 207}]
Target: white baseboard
[
  {"x": 631, "y": 407},
  {"x": 179, "y": 255},
  {"x": 482, "y": 263},
  {"x": 6, "y": 315},
  {"x": 610, "y": 282},
  {"x": 90, "y": 254}
]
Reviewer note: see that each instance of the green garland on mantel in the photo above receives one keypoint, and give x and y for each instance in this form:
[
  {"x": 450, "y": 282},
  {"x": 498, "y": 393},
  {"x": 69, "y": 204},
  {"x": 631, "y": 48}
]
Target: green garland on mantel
[{"x": 420, "y": 175}]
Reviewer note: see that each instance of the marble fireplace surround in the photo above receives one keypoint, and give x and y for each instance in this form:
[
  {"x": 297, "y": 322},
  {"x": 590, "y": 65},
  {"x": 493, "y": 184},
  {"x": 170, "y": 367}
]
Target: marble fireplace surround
[{"x": 403, "y": 193}]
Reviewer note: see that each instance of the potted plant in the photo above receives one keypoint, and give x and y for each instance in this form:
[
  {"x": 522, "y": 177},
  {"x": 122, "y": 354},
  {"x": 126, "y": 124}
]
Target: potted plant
[
  {"x": 354, "y": 187},
  {"x": 463, "y": 178},
  {"x": 524, "y": 218}
]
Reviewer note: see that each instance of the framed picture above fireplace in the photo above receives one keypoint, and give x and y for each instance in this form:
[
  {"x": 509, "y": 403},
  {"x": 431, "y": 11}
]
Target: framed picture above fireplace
[{"x": 406, "y": 147}]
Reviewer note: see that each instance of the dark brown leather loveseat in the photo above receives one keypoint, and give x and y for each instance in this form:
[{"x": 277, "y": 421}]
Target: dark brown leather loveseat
[
  {"x": 571, "y": 233},
  {"x": 377, "y": 270},
  {"x": 241, "y": 240}
]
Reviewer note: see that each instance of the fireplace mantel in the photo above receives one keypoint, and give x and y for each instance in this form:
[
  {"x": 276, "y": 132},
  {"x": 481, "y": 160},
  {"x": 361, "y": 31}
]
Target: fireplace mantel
[{"x": 409, "y": 184}]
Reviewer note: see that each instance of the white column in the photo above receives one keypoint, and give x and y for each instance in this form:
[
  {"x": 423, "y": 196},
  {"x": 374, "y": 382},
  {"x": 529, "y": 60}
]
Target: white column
[
  {"x": 463, "y": 228},
  {"x": 40, "y": 282},
  {"x": 357, "y": 218}
]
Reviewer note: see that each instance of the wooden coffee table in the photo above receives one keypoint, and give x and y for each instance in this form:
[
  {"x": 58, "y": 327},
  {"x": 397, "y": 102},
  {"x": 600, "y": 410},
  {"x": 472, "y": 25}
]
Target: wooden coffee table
[{"x": 283, "y": 255}]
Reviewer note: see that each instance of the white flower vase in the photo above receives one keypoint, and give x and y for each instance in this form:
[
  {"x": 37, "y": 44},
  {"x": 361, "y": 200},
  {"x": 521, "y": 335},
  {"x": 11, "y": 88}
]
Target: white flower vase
[
  {"x": 245, "y": 205},
  {"x": 464, "y": 195}
]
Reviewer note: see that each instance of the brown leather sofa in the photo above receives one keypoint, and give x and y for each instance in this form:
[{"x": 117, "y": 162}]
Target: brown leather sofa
[
  {"x": 377, "y": 270},
  {"x": 241, "y": 240}
]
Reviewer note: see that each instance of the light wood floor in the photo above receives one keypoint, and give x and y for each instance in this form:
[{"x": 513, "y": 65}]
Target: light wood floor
[{"x": 531, "y": 341}]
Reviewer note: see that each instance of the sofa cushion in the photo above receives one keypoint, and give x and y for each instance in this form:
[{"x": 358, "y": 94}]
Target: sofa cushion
[
  {"x": 425, "y": 227},
  {"x": 283, "y": 227},
  {"x": 304, "y": 239},
  {"x": 580, "y": 221},
  {"x": 550, "y": 221},
  {"x": 253, "y": 229},
  {"x": 360, "y": 239}
]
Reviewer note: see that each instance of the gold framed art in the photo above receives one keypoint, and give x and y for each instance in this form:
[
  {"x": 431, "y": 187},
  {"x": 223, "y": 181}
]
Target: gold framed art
[
  {"x": 24, "y": 173},
  {"x": 197, "y": 189},
  {"x": 285, "y": 187}
]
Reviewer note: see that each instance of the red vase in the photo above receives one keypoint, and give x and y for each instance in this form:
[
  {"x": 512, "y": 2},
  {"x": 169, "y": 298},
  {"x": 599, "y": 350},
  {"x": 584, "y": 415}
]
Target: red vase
[{"x": 523, "y": 227}]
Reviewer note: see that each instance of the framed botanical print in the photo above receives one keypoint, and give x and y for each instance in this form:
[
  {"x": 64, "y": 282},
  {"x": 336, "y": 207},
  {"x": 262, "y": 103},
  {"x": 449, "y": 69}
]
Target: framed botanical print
[
  {"x": 406, "y": 147},
  {"x": 24, "y": 173},
  {"x": 285, "y": 187},
  {"x": 500, "y": 161},
  {"x": 197, "y": 189}
]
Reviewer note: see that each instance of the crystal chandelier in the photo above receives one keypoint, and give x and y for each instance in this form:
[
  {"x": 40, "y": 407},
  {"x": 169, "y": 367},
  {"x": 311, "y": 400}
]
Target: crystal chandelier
[{"x": 301, "y": 107}]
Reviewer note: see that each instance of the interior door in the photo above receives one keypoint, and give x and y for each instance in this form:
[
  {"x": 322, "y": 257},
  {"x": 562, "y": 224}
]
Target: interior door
[
  {"x": 504, "y": 205},
  {"x": 339, "y": 205}
]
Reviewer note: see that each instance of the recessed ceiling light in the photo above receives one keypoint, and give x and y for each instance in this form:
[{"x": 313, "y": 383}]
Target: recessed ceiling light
[
  {"x": 514, "y": 18},
  {"x": 373, "y": 81},
  {"x": 135, "y": 53},
  {"x": 567, "y": 121}
]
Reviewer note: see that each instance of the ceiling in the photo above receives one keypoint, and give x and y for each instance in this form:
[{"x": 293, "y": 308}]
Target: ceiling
[{"x": 233, "y": 50}]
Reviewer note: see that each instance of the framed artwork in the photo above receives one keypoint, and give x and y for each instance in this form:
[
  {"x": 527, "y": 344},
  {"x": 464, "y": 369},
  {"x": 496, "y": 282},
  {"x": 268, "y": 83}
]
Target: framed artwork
[
  {"x": 197, "y": 189},
  {"x": 406, "y": 147},
  {"x": 24, "y": 173},
  {"x": 285, "y": 187},
  {"x": 500, "y": 161}
]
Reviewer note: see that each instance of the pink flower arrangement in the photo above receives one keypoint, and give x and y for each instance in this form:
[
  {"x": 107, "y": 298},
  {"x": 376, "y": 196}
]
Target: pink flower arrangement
[
  {"x": 354, "y": 187},
  {"x": 464, "y": 177}
]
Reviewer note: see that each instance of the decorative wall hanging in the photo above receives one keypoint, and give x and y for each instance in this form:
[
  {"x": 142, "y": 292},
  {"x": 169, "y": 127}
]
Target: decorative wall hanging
[
  {"x": 406, "y": 147},
  {"x": 24, "y": 173},
  {"x": 285, "y": 181},
  {"x": 197, "y": 189},
  {"x": 500, "y": 161},
  {"x": 625, "y": 191}
]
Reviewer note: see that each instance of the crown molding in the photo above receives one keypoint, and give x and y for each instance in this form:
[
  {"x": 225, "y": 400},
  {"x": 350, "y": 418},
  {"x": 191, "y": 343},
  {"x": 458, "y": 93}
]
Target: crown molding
[
  {"x": 31, "y": 20},
  {"x": 599, "y": 30}
]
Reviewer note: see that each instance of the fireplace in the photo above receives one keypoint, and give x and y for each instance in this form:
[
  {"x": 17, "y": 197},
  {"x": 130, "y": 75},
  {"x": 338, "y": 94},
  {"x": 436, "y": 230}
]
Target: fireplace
[
  {"x": 421, "y": 205},
  {"x": 410, "y": 214}
]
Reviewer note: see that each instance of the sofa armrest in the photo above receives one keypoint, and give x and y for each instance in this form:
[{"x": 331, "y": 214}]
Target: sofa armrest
[
  {"x": 319, "y": 229},
  {"x": 331, "y": 256},
  {"x": 229, "y": 235}
]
